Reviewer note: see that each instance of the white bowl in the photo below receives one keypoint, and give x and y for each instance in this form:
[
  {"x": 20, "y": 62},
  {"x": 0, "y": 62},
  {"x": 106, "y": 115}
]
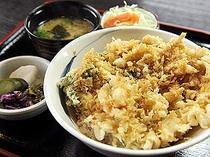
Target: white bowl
[
  {"x": 98, "y": 40},
  {"x": 9, "y": 65}
]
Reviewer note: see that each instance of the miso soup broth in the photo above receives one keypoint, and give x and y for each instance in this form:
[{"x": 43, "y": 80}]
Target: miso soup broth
[{"x": 63, "y": 28}]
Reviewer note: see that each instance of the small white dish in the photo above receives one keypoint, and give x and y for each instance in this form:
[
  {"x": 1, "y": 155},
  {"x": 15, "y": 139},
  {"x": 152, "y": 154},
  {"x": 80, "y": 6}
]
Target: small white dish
[
  {"x": 9, "y": 65},
  {"x": 98, "y": 41}
]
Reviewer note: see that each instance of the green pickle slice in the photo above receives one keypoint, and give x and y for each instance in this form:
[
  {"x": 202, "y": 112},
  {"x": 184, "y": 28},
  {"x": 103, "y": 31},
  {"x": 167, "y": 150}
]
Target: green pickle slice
[{"x": 12, "y": 84}]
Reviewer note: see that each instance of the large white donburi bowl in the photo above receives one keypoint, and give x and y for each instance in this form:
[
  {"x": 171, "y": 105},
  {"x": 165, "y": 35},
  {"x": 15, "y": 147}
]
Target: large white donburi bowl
[{"x": 98, "y": 41}]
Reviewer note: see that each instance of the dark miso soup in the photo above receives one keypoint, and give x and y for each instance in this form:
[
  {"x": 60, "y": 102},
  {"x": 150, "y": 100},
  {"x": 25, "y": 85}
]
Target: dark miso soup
[{"x": 63, "y": 28}]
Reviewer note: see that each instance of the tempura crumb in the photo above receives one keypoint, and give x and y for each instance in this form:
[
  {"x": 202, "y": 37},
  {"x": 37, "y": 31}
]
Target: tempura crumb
[{"x": 141, "y": 94}]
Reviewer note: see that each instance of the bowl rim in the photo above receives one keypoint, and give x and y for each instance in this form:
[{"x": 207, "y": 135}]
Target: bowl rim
[
  {"x": 29, "y": 108},
  {"x": 105, "y": 147},
  {"x": 98, "y": 15}
]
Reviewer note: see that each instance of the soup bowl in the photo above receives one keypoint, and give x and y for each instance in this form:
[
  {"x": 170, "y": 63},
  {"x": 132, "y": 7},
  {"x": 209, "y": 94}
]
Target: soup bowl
[
  {"x": 47, "y": 48},
  {"x": 71, "y": 56}
]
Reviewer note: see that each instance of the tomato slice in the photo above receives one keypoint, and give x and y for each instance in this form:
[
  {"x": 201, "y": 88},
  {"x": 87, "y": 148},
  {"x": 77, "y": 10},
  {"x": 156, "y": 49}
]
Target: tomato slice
[{"x": 130, "y": 18}]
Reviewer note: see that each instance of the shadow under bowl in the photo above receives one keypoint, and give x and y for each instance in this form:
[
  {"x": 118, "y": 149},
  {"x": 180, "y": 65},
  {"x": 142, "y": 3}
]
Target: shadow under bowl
[{"x": 48, "y": 48}]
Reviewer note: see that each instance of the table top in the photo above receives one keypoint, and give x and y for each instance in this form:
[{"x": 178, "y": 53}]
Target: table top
[{"x": 191, "y": 13}]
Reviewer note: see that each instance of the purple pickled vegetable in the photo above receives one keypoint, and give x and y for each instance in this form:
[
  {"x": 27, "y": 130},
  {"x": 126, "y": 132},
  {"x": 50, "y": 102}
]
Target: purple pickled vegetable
[
  {"x": 6, "y": 98},
  {"x": 15, "y": 100}
]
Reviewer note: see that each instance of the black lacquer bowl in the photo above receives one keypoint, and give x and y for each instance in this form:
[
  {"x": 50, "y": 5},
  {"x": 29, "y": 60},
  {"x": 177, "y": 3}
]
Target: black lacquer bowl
[{"x": 48, "y": 48}]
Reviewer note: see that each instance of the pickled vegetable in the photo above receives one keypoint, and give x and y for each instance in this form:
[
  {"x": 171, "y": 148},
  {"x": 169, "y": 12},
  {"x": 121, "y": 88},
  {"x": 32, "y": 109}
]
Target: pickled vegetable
[{"x": 12, "y": 84}]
